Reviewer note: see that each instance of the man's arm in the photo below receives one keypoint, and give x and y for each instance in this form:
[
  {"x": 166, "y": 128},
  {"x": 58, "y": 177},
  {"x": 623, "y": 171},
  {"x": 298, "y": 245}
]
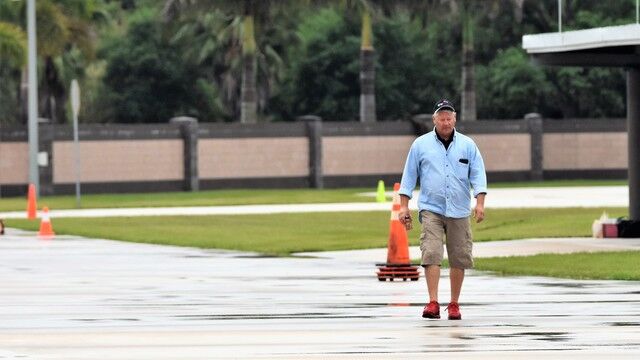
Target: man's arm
[
  {"x": 407, "y": 184},
  {"x": 478, "y": 212},
  {"x": 478, "y": 178}
]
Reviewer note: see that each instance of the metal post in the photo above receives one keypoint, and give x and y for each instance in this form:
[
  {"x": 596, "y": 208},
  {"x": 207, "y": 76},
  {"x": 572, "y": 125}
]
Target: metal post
[
  {"x": 633, "y": 128},
  {"x": 559, "y": 15},
  {"x": 75, "y": 107},
  {"x": 637, "y": 11},
  {"x": 34, "y": 176}
]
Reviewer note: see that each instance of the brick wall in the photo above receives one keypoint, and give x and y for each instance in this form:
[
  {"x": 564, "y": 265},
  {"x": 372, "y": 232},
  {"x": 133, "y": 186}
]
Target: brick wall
[
  {"x": 119, "y": 160},
  {"x": 580, "y": 151},
  {"x": 253, "y": 158},
  {"x": 125, "y": 158}
]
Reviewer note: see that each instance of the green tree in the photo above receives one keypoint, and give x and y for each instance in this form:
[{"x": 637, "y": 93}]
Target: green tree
[
  {"x": 13, "y": 45},
  {"x": 585, "y": 92},
  {"x": 13, "y": 54},
  {"x": 323, "y": 72},
  {"x": 145, "y": 77},
  {"x": 510, "y": 86},
  {"x": 212, "y": 41},
  {"x": 64, "y": 27},
  {"x": 250, "y": 15}
]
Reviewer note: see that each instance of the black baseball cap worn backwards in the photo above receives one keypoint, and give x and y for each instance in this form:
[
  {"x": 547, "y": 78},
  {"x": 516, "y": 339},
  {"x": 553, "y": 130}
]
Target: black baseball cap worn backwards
[{"x": 443, "y": 104}]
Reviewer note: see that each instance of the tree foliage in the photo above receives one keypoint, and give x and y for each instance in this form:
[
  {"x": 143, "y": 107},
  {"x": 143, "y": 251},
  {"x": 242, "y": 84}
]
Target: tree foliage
[
  {"x": 148, "y": 68},
  {"x": 323, "y": 75},
  {"x": 145, "y": 77}
]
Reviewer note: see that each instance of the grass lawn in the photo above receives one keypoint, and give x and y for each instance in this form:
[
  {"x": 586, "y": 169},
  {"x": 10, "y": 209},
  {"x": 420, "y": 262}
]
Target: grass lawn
[
  {"x": 602, "y": 265},
  {"x": 244, "y": 197},
  {"x": 282, "y": 234},
  {"x": 200, "y": 198}
]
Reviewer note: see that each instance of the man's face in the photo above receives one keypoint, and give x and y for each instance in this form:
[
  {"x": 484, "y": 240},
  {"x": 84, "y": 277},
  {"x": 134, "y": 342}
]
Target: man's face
[{"x": 445, "y": 121}]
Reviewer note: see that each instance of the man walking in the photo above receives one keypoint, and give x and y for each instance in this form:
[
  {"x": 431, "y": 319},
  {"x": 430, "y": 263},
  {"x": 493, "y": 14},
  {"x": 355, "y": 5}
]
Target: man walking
[{"x": 447, "y": 164}]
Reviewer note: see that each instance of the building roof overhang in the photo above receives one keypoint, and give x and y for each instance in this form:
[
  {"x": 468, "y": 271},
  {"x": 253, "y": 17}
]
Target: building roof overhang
[{"x": 616, "y": 46}]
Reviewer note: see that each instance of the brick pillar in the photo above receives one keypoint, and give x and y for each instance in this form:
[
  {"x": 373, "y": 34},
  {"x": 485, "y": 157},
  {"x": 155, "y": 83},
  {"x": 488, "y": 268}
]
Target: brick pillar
[
  {"x": 535, "y": 126},
  {"x": 189, "y": 132},
  {"x": 314, "y": 132}
]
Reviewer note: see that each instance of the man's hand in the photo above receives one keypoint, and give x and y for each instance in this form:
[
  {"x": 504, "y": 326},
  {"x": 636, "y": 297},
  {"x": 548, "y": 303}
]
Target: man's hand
[
  {"x": 478, "y": 211},
  {"x": 404, "y": 215}
]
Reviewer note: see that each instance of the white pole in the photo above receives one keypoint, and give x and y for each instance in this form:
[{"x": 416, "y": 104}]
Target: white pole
[
  {"x": 34, "y": 175},
  {"x": 75, "y": 106}
]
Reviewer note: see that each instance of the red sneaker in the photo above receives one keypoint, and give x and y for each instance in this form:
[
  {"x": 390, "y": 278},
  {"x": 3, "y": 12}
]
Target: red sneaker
[
  {"x": 454, "y": 311},
  {"x": 431, "y": 310}
]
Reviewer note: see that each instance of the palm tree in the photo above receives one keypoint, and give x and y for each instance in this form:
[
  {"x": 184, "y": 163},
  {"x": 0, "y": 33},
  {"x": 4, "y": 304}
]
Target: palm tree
[
  {"x": 468, "y": 95},
  {"x": 217, "y": 87},
  {"x": 249, "y": 9},
  {"x": 246, "y": 13},
  {"x": 63, "y": 26},
  {"x": 469, "y": 12},
  {"x": 367, "y": 70},
  {"x": 367, "y": 8},
  {"x": 13, "y": 45},
  {"x": 13, "y": 54},
  {"x": 248, "y": 99}
]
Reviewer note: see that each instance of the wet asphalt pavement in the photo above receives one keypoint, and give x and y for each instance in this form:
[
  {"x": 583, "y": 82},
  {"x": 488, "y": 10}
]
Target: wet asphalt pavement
[{"x": 75, "y": 298}]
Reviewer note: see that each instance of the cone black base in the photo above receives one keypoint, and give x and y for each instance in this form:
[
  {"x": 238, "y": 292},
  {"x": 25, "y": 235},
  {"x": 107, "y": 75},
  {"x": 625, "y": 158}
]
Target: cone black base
[{"x": 397, "y": 271}]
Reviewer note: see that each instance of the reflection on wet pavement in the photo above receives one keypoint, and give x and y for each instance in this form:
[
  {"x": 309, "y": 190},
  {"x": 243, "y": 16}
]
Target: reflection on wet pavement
[{"x": 65, "y": 299}]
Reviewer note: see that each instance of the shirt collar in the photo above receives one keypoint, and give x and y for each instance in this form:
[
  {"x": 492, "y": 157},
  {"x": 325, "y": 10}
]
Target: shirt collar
[{"x": 453, "y": 134}]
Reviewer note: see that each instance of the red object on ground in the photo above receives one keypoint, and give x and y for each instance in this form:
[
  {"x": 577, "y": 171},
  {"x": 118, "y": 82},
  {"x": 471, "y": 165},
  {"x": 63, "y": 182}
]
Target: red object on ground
[
  {"x": 610, "y": 230},
  {"x": 46, "y": 229},
  {"x": 398, "y": 265}
]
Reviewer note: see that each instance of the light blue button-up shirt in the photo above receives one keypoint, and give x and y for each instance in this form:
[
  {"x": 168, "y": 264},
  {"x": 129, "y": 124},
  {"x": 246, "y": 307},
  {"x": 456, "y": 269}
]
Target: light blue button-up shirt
[{"x": 446, "y": 175}]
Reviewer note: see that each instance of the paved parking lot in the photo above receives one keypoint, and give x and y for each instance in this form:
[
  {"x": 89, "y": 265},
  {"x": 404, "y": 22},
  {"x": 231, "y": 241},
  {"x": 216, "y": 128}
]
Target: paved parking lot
[{"x": 75, "y": 298}]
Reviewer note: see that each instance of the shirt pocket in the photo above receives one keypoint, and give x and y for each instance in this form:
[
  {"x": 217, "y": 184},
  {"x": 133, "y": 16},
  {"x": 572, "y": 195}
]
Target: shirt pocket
[{"x": 462, "y": 170}]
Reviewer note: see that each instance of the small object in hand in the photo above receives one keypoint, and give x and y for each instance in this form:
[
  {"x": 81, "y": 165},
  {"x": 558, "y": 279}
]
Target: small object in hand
[{"x": 407, "y": 222}]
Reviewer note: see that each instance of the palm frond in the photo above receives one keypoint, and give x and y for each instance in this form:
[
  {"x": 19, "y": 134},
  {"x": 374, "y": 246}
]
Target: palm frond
[{"x": 13, "y": 45}]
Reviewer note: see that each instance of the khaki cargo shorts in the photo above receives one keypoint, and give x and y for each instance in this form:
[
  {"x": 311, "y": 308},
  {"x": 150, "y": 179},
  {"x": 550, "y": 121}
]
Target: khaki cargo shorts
[{"x": 438, "y": 230}]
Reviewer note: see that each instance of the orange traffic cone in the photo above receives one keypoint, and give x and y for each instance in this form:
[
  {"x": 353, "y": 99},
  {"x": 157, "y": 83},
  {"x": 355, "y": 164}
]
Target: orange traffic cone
[
  {"x": 46, "y": 230},
  {"x": 398, "y": 265},
  {"x": 31, "y": 202}
]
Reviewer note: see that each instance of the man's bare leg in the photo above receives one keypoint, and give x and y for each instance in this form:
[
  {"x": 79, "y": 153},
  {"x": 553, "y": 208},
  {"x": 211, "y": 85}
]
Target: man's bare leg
[
  {"x": 456, "y": 276},
  {"x": 433, "y": 278}
]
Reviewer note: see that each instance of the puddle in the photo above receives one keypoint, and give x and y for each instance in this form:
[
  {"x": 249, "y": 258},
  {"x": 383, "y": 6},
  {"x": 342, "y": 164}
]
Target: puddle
[
  {"x": 104, "y": 320},
  {"x": 274, "y": 316},
  {"x": 256, "y": 256},
  {"x": 535, "y": 335},
  {"x": 622, "y": 323},
  {"x": 568, "y": 285}
]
